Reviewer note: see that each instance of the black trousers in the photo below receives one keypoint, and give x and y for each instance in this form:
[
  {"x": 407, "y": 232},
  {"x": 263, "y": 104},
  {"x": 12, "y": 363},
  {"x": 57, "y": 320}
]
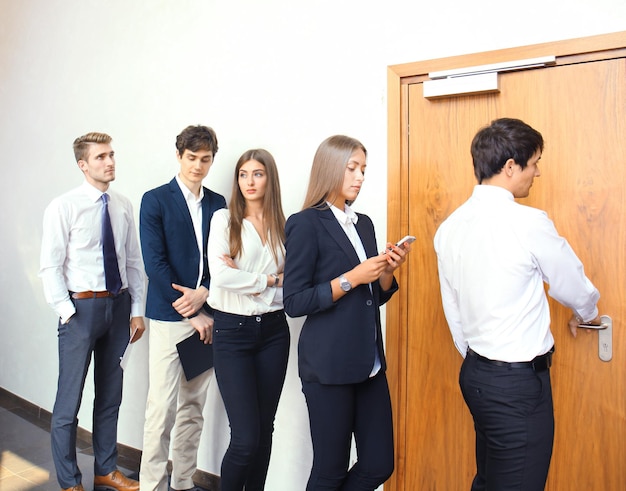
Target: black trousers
[
  {"x": 250, "y": 356},
  {"x": 336, "y": 414},
  {"x": 514, "y": 422}
]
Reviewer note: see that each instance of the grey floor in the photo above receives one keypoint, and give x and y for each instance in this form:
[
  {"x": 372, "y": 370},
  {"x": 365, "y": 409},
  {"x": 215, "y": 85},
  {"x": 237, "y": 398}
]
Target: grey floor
[{"x": 25, "y": 455}]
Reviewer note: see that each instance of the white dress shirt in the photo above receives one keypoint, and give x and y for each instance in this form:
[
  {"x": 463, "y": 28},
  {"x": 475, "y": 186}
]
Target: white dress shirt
[
  {"x": 71, "y": 248},
  {"x": 195, "y": 210},
  {"x": 347, "y": 218},
  {"x": 494, "y": 255},
  {"x": 243, "y": 290}
]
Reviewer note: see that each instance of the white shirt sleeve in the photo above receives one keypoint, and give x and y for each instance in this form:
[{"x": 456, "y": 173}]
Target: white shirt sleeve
[
  {"x": 562, "y": 270},
  {"x": 135, "y": 273},
  {"x": 452, "y": 312},
  {"x": 53, "y": 254}
]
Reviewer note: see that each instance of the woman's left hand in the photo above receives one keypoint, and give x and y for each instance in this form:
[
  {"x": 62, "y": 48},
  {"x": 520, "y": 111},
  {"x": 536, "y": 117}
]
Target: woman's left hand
[{"x": 395, "y": 256}]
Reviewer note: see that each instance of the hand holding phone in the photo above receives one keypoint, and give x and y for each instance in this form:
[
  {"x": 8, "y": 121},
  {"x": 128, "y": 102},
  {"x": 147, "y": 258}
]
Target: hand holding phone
[{"x": 409, "y": 239}]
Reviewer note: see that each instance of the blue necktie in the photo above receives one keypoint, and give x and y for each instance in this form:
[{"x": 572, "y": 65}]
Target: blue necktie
[{"x": 111, "y": 268}]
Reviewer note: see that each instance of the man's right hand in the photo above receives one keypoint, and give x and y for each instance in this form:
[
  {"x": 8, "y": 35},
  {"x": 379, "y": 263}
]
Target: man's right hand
[
  {"x": 574, "y": 321},
  {"x": 191, "y": 299},
  {"x": 204, "y": 325}
]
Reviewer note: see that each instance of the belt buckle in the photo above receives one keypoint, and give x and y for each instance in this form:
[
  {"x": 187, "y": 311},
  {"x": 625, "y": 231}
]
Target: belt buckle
[{"x": 542, "y": 363}]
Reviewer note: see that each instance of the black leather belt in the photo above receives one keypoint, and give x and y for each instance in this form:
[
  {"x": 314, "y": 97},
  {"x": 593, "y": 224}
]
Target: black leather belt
[{"x": 537, "y": 364}]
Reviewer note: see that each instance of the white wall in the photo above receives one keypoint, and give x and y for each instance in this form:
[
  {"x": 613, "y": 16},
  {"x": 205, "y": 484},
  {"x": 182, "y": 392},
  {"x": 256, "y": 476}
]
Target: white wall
[{"x": 277, "y": 74}]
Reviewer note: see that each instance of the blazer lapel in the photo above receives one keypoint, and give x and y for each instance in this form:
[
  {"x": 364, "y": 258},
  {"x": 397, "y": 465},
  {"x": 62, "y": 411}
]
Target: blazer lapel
[
  {"x": 335, "y": 230},
  {"x": 367, "y": 238},
  {"x": 179, "y": 201},
  {"x": 206, "y": 218}
]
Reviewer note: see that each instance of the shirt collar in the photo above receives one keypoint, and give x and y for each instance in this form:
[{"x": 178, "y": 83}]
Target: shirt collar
[
  {"x": 345, "y": 216},
  {"x": 92, "y": 192},
  {"x": 487, "y": 191},
  {"x": 188, "y": 194}
]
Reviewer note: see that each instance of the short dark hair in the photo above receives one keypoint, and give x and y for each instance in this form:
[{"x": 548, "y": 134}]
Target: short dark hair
[
  {"x": 503, "y": 139},
  {"x": 196, "y": 138},
  {"x": 82, "y": 143}
]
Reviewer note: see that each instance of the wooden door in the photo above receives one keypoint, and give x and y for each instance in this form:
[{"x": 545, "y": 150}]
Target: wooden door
[{"x": 579, "y": 106}]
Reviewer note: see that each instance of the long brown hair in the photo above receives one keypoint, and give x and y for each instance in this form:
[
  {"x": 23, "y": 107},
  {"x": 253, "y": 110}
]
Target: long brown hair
[
  {"x": 328, "y": 170},
  {"x": 273, "y": 216}
]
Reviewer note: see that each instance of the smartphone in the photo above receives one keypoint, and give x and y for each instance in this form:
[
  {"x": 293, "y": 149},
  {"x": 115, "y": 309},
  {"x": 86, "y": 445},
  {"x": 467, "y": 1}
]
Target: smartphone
[{"x": 409, "y": 239}]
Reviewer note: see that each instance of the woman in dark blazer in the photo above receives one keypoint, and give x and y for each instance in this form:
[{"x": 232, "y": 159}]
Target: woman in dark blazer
[{"x": 337, "y": 277}]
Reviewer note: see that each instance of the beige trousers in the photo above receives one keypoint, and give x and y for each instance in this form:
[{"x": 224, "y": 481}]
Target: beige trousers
[{"x": 173, "y": 411}]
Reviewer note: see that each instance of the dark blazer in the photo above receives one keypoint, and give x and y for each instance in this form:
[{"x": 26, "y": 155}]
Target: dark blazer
[
  {"x": 338, "y": 339},
  {"x": 169, "y": 247}
]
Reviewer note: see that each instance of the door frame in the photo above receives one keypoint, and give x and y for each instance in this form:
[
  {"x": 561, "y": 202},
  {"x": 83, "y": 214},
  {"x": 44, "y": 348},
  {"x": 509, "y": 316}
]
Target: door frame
[{"x": 399, "y": 77}]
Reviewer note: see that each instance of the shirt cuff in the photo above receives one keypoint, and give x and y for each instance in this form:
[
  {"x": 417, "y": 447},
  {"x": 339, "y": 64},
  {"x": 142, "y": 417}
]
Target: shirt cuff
[
  {"x": 584, "y": 316},
  {"x": 137, "y": 310},
  {"x": 65, "y": 311}
]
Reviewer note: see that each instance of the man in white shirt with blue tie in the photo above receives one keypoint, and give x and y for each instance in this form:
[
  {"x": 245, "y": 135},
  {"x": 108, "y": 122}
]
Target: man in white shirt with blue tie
[
  {"x": 86, "y": 231},
  {"x": 494, "y": 256}
]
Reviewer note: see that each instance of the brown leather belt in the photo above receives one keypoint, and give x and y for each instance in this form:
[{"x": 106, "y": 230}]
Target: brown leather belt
[{"x": 90, "y": 294}]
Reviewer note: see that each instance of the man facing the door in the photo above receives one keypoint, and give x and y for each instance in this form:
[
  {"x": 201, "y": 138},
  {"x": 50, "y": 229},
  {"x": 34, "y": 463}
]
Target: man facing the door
[{"x": 493, "y": 257}]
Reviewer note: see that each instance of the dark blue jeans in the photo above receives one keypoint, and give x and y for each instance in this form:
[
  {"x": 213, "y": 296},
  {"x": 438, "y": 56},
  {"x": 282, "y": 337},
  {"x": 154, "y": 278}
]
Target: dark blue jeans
[
  {"x": 250, "y": 357},
  {"x": 514, "y": 422},
  {"x": 336, "y": 413},
  {"x": 100, "y": 326}
]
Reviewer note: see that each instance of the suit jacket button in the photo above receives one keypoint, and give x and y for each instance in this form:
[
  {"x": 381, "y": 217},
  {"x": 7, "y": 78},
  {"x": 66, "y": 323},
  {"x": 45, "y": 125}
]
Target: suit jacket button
[{"x": 369, "y": 303}]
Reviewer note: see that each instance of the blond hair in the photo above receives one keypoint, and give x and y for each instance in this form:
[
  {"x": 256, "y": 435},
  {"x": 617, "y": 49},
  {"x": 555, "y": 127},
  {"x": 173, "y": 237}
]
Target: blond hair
[{"x": 82, "y": 143}]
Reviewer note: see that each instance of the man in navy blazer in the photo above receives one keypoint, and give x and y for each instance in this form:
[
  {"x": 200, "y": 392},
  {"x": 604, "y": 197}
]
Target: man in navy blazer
[{"x": 174, "y": 229}]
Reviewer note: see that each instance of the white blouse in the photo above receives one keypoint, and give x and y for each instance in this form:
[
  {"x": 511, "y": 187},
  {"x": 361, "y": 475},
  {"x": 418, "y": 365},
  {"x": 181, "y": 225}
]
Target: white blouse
[{"x": 243, "y": 290}]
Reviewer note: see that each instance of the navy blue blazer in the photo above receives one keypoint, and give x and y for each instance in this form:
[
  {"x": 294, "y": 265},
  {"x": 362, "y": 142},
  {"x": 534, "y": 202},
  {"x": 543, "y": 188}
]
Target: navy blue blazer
[
  {"x": 338, "y": 340},
  {"x": 169, "y": 247}
]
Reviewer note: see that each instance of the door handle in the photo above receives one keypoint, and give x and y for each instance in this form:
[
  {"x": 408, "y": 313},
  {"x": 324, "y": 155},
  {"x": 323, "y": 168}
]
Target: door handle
[{"x": 605, "y": 336}]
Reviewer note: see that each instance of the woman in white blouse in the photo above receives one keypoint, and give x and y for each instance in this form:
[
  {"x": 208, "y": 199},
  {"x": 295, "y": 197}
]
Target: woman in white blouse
[{"x": 251, "y": 337}]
